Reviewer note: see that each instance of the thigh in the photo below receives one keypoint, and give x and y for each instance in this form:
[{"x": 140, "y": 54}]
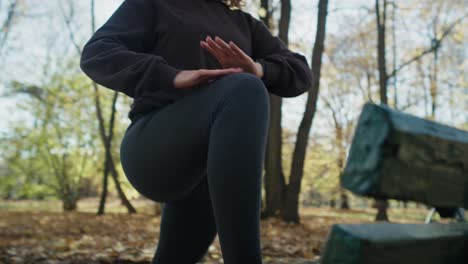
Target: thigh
[{"x": 164, "y": 156}]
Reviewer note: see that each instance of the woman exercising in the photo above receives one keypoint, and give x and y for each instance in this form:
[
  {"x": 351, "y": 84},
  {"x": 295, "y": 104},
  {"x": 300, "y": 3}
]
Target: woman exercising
[{"x": 199, "y": 73}]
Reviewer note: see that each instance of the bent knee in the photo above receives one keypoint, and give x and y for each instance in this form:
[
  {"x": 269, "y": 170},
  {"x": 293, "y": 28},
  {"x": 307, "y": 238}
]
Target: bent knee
[
  {"x": 248, "y": 79},
  {"x": 246, "y": 84}
]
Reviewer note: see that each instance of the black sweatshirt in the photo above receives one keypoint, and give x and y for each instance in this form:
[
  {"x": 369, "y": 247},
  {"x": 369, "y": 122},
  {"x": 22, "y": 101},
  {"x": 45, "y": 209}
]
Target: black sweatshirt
[{"x": 145, "y": 43}]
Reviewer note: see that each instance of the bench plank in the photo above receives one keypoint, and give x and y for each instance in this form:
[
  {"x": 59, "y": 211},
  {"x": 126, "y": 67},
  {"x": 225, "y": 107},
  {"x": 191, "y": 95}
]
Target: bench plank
[
  {"x": 383, "y": 243},
  {"x": 399, "y": 156}
]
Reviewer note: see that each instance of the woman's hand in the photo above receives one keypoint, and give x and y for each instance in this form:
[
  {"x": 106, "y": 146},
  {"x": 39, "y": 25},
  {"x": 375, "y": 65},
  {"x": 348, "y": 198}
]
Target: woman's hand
[
  {"x": 189, "y": 78},
  {"x": 230, "y": 55}
]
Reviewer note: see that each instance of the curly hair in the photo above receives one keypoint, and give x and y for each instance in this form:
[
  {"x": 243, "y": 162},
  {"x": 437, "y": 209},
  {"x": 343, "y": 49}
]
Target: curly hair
[{"x": 233, "y": 3}]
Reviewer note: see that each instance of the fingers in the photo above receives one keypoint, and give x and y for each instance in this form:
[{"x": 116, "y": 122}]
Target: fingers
[
  {"x": 219, "y": 52},
  {"x": 216, "y": 72},
  {"x": 210, "y": 49},
  {"x": 219, "y": 49},
  {"x": 238, "y": 51},
  {"x": 224, "y": 46},
  {"x": 228, "y": 55},
  {"x": 208, "y": 74},
  {"x": 220, "y": 46}
]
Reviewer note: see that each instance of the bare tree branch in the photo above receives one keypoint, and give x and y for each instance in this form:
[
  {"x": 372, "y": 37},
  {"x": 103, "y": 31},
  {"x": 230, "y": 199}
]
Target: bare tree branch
[
  {"x": 436, "y": 43},
  {"x": 68, "y": 19},
  {"x": 6, "y": 27}
]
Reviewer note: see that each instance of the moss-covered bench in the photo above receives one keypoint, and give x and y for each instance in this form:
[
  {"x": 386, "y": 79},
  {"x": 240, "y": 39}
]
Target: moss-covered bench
[{"x": 399, "y": 156}]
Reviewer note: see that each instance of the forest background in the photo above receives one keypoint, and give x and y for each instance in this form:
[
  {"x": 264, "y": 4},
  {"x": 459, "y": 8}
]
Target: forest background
[{"x": 60, "y": 133}]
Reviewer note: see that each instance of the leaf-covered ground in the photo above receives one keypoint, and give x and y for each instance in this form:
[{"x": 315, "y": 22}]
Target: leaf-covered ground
[{"x": 83, "y": 237}]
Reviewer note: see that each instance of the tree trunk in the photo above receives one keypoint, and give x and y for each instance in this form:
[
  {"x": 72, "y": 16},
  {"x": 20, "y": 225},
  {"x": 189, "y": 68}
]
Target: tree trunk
[
  {"x": 110, "y": 166},
  {"x": 102, "y": 201},
  {"x": 107, "y": 160},
  {"x": 340, "y": 161},
  {"x": 114, "y": 174},
  {"x": 274, "y": 177},
  {"x": 433, "y": 91},
  {"x": 69, "y": 204},
  {"x": 123, "y": 198},
  {"x": 381, "y": 54},
  {"x": 290, "y": 208},
  {"x": 69, "y": 198},
  {"x": 344, "y": 199},
  {"x": 381, "y": 205},
  {"x": 106, "y": 140}
]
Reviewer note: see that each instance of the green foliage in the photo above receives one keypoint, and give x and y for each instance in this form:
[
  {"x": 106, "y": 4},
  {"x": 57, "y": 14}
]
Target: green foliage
[{"x": 57, "y": 146}]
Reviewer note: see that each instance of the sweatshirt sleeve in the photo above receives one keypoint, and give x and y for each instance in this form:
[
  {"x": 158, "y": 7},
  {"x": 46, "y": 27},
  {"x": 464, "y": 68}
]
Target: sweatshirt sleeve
[
  {"x": 116, "y": 55},
  {"x": 285, "y": 73}
]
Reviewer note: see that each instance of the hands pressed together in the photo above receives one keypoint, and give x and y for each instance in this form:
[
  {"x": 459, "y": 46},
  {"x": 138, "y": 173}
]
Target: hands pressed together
[{"x": 229, "y": 55}]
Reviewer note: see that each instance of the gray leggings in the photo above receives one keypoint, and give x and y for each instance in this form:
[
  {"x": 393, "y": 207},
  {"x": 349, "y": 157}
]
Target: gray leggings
[{"x": 203, "y": 157}]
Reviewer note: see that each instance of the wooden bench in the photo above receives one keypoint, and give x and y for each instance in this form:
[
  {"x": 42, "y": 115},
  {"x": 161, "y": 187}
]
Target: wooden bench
[{"x": 399, "y": 156}]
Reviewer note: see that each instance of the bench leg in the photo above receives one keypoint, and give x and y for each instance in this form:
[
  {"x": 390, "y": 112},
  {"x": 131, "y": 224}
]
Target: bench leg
[{"x": 459, "y": 215}]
